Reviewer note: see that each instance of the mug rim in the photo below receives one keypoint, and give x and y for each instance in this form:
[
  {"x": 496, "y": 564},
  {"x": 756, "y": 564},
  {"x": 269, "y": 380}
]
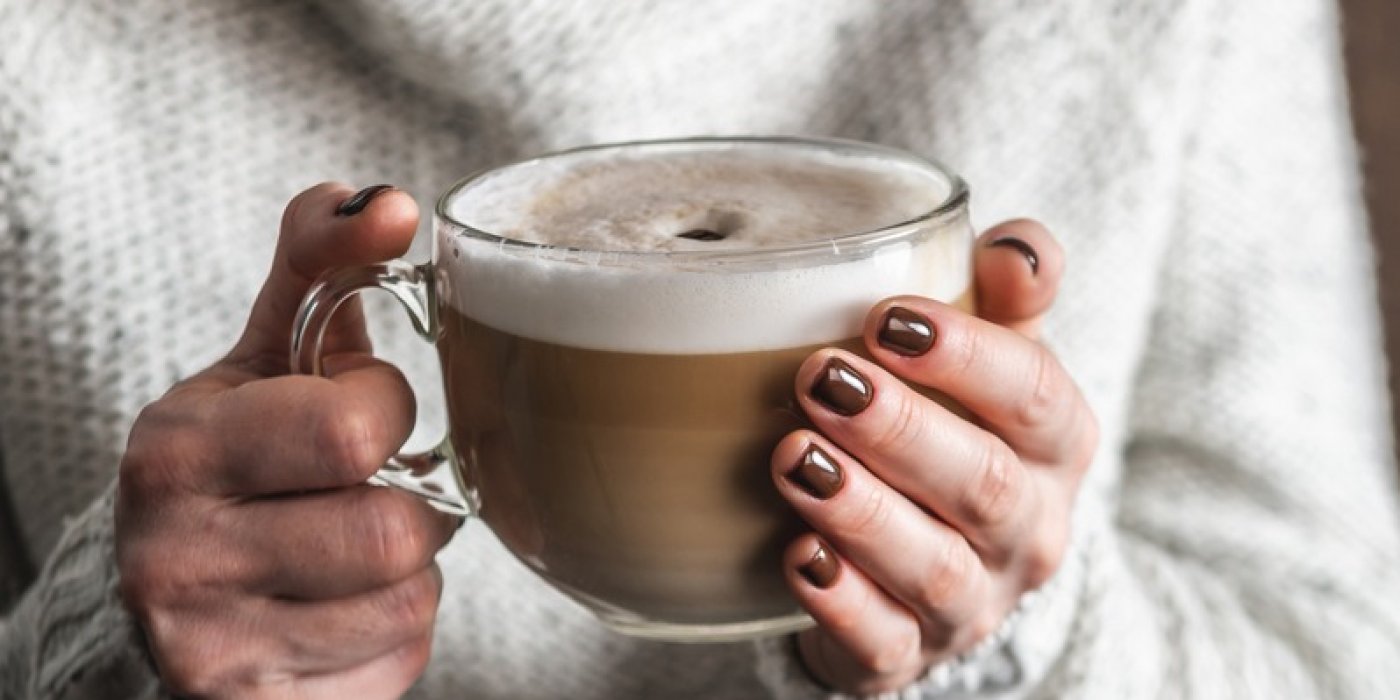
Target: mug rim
[{"x": 951, "y": 206}]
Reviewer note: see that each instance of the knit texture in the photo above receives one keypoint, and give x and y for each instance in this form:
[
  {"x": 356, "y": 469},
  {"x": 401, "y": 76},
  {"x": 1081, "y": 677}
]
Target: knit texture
[{"x": 1236, "y": 537}]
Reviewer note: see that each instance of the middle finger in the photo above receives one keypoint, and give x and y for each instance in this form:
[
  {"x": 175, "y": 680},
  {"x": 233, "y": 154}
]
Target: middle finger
[
  {"x": 300, "y": 433},
  {"x": 937, "y": 459},
  {"x": 1014, "y": 385},
  {"x": 332, "y": 544}
]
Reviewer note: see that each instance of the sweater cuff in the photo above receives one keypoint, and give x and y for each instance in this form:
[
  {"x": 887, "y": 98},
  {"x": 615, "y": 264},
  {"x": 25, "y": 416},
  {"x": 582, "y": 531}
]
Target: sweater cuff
[
  {"x": 1005, "y": 665},
  {"x": 83, "y": 643}
]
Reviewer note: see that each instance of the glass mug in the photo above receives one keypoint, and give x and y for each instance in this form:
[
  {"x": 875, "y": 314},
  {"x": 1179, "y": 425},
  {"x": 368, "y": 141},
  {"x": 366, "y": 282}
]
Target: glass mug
[{"x": 611, "y": 413}]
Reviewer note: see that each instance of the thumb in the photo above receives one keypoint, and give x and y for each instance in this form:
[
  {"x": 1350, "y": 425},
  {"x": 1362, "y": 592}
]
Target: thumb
[
  {"x": 324, "y": 228},
  {"x": 1017, "y": 267}
]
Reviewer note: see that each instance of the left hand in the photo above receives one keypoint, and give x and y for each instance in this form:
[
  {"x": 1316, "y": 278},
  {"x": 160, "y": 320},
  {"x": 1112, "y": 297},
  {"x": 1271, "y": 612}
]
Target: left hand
[{"x": 930, "y": 526}]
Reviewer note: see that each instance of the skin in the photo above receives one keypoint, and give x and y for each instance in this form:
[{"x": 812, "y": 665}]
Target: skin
[
  {"x": 260, "y": 565},
  {"x": 942, "y": 522},
  {"x": 256, "y": 559}
]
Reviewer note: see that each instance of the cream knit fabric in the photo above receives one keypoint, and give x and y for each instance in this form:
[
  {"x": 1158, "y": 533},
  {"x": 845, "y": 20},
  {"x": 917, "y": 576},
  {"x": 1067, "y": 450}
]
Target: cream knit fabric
[{"x": 1237, "y": 536}]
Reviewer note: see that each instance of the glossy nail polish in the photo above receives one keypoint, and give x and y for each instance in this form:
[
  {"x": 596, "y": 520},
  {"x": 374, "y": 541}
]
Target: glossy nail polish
[
  {"x": 840, "y": 388},
  {"x": 1022, "y": 247},
  {"x": 817, "y": 473},
  {"x": 358, "y": 201},
  {"x": 821, "y": 569},
  {"x": 906, "y": 332}
]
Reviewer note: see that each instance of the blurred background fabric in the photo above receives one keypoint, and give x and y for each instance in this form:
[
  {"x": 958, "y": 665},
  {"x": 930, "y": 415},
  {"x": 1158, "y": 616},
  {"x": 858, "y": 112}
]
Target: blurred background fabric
[{"x": 1372, "y": 29}]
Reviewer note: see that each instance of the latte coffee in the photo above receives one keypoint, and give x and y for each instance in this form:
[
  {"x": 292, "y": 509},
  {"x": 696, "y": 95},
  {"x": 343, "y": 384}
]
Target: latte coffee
[
  {"x": 616, "y": 407},
  {"x": 619, "y": 328}
]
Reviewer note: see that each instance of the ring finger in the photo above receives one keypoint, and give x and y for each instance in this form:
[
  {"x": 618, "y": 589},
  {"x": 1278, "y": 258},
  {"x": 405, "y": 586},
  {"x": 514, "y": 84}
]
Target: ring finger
[
  {"x": 922, "y": 562},
  {"x": 333, "y": 635}
]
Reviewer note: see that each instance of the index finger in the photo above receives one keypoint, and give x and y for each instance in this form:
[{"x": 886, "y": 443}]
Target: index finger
[
  {"x": 303, "y": 433},
  {"x": 1015, "y": 385}
]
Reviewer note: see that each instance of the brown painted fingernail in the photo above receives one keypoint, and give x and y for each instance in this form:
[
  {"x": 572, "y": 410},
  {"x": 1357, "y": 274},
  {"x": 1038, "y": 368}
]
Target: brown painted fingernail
[
  {"x": 821, "y": 569},
  {"x": 841, "y": 388},
  {"x": 906, "y": 333},
  {"x": 817, "y": 473},
  {"x": 358, "y": 201},
  {"x": 1022, "y": 247}
]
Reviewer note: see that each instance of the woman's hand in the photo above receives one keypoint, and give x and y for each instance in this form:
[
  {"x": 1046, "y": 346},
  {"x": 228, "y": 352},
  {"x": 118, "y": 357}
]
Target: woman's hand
[
  {"x": 250, "y": 550},
  {"x": 929, "y": 525}
]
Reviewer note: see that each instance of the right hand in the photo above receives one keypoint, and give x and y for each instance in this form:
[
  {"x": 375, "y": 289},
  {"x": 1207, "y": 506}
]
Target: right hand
[{"x": 254, "y": 556}]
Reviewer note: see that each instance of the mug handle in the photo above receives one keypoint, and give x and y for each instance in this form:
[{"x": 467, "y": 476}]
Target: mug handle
[{"x": 430, "y": 475}]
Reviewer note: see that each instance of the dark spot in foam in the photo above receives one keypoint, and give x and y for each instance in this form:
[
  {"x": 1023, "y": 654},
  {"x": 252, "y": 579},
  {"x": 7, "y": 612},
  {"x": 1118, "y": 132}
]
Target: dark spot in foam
[
  {"x": 702, "y": 234},
  {"x": 716, "y": 225}
]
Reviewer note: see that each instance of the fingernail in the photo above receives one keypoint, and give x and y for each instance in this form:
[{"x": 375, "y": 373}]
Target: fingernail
[
  {"x": 358, "y": 201},
  {"x": 1022, "y": 247},
  {"x": 906, "y": 333},
  {"x": 817, "y": 473},
  {"x": 821, "y": 569},
  {"x": 840, "y": 388}
]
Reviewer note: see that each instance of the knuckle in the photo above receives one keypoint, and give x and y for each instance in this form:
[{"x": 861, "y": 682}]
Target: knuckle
[
  {"x": 890, "y": 657},
  {"x": 981, "y": 627},
  {"x": 350, "y": 440},
  {"x": 1086, "y": 442},
  {"x": 161, "y": 447},
  {"x": 995, "y": 493},
  {"x": 146, "y": 582},
  {"x": 188, "y": 661},
  {"x": 398, "y": 381},
  {"x": 1044, "y": 556},
  {"x": 963, "y": 347},
  {"x": 416, "y": 655},
  {"x": 187, "y": 677},
  {"x": 394, "y": 542},
  {"x": 412, "y": 604},
  {"x": 137, "y": 589},
  {"x": 944, "y": 584},
  {"x": 905, "y": 426},
  {"x": 135, "y": 597},
  {"x": 869, "y": 514},
  {"x": 1036, "y": 408},
  {"x": 846, "y": 620}
]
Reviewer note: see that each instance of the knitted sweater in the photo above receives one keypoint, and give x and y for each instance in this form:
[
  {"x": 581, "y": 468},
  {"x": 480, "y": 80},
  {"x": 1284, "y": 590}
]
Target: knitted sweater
[{"x": 1236, "y": 537}]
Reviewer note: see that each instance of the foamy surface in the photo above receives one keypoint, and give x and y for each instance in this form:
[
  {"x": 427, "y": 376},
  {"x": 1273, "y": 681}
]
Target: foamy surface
[
  {"x": 600, "y": 299},
  {"x": 632, "y": 202}
]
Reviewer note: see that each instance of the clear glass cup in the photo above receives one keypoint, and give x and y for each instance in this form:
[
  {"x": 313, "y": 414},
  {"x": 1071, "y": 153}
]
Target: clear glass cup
[{"x": 619, "y": 447}]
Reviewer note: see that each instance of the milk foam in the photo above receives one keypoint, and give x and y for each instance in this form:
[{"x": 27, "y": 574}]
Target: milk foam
[
  {"x": 630, "y": 201},
  {"x": 601, "y": 299}
]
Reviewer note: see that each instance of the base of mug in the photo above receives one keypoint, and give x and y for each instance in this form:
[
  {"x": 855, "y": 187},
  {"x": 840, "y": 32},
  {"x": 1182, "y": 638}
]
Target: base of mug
[{"x": 706, "y": 634}]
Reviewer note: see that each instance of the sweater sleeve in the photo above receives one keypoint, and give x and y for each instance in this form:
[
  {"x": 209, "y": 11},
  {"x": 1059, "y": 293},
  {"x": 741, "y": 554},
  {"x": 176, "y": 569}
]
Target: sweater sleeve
[
  {"x": 70, "y": 638},
  {"x": 16, "y": 570},
  {"x": 1254, "y": 551},
  {"x": 1248, "y": 547}
]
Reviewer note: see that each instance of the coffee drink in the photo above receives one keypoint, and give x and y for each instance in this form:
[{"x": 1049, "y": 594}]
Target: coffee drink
[{"x": 619, "y": 330}]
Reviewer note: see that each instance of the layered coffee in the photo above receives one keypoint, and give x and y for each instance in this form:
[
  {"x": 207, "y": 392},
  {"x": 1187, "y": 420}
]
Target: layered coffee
[{"x": 615, "y": 391}]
